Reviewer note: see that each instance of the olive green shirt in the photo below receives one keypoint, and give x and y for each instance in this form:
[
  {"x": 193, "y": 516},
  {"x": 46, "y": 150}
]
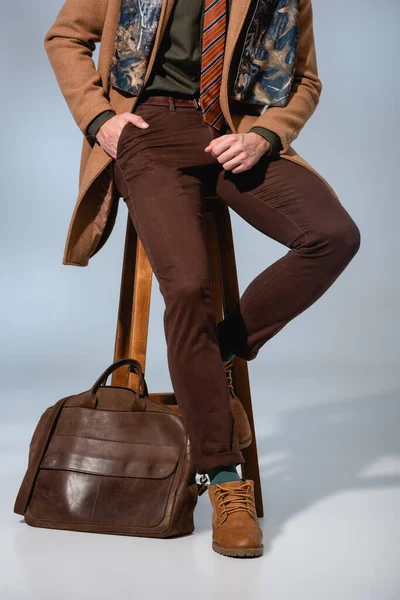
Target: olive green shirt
[{"x": 176, "y": 69}]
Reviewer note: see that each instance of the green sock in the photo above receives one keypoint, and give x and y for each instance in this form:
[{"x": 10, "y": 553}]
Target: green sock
[{"x": 223, "y": 474}]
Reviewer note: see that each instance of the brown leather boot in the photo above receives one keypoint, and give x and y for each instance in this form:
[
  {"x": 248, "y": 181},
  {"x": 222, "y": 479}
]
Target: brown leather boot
[
  {"x": 238, "y": 411},
  {"x": 236, "y": 531}
]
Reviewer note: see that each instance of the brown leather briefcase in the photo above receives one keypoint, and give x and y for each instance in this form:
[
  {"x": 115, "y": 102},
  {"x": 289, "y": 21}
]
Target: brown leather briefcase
[{"x": 111, "y": 460}]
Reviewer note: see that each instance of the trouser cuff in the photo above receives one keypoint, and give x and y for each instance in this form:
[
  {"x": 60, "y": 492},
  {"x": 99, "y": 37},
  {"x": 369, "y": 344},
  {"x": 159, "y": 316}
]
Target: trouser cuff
[{"x": 205, "y": 463}]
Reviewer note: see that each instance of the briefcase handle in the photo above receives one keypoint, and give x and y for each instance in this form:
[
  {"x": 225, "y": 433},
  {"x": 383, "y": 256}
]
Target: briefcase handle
[{"x": 134, "y": 365}]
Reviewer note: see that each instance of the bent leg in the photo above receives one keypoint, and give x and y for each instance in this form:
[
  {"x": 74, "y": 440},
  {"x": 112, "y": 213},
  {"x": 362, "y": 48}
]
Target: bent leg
[{"x": 292, "y": 205}]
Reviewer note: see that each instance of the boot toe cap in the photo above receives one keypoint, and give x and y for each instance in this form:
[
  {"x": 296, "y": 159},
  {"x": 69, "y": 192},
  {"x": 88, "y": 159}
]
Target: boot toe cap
[{"x": 239, "y": 537}]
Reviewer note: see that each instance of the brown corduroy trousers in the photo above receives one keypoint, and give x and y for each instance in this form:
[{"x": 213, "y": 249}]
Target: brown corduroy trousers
[{"x": 161, "y": 172}]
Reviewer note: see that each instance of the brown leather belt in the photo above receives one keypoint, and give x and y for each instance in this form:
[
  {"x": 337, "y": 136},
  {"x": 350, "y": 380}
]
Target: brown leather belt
[
  {"x": 174, "y": 103},
  {"x": 169, "y": 101}
]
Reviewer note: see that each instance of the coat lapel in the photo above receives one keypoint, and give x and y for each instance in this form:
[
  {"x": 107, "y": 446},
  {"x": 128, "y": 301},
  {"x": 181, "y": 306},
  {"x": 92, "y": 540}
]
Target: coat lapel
[{"x": 238, "y": 12}]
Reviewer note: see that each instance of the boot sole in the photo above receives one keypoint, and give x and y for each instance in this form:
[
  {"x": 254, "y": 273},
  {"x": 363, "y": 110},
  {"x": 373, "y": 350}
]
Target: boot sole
[{"x": 239, "y": 552}]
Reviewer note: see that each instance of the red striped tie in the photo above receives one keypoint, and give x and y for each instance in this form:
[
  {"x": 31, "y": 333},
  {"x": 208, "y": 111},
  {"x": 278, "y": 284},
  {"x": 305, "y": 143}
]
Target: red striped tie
[{"x": 213, "y": 44}]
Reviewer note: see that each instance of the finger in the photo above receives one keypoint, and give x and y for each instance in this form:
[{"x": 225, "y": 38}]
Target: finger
[
  {"x": 237, "y": 161},
  {"x": 223, "y": 146},
  {"x": 241, "y": 168},
  {"x": 210, "y": 146},
  {"x": 221, "y": 143},
  {"x": 229, "y": 154},
  {"x": 138, "y": 121}
]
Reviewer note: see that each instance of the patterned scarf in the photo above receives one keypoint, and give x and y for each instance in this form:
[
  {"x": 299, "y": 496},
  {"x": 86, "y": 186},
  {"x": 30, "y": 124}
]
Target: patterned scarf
[{"x": 266, "y": 67}]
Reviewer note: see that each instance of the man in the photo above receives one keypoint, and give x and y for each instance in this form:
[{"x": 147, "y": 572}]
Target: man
[{"x": 188, "y": 95}]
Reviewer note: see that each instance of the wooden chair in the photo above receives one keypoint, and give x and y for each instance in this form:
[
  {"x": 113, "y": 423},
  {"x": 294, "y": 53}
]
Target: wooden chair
[{"x": 134, "y": 309}]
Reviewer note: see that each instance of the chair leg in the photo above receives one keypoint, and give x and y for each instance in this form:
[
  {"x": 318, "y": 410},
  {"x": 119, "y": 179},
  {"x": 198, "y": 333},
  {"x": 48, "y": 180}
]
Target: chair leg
[
  {"x": 227, "y": 293},
  {"x": 134, "y": 307}
]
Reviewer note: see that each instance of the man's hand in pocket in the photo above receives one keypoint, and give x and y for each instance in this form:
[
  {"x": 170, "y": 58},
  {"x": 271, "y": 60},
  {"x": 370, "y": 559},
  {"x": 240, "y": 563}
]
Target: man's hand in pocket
[{"x": 109, "y": 132}]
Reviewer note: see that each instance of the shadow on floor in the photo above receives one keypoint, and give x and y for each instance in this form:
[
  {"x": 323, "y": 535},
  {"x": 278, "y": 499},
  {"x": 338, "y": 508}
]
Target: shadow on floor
[{"x": 321, "y": 451}]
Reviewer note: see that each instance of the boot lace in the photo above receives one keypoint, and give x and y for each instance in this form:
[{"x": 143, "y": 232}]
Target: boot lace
[
  {"x": 228, "y": 370},
  {"x": 232, "y": 500}
]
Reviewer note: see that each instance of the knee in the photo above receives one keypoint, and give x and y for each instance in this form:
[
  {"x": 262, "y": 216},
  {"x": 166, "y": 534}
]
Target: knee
[
  {"x": 341, "y": 239},
  {"x": 186, "y": 290},
  {"x": 346, "y": 239}
]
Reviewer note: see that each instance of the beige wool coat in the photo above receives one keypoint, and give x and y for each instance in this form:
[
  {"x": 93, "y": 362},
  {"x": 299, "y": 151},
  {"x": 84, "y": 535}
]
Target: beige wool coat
[{"x": 69, "y": 44}]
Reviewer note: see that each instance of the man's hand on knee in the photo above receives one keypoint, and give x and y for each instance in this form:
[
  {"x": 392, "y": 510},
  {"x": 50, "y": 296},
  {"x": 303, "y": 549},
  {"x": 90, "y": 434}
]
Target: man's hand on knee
[
  {"x": 109, "y": 132},
  {"x": 238, "y": 151}
]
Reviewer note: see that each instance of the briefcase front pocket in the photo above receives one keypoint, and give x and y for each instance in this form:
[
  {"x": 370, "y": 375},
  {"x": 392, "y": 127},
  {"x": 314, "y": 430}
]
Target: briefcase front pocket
[{"x": 103, "y": 485}]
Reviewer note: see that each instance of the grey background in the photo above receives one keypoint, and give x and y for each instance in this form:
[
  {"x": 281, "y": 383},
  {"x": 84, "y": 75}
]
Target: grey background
[{"x": 325, "y": 389}]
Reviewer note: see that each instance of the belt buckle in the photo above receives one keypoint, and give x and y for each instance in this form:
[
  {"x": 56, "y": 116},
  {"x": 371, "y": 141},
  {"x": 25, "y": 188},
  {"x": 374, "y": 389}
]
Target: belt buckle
[{"x": 196, "y": 103}]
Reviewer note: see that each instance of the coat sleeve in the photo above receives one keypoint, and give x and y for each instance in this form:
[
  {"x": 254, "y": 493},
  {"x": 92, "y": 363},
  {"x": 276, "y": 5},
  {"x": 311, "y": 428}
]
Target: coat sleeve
[
  {"x": 69, "y": 44},
  {"x": 287, "y": 121}
]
